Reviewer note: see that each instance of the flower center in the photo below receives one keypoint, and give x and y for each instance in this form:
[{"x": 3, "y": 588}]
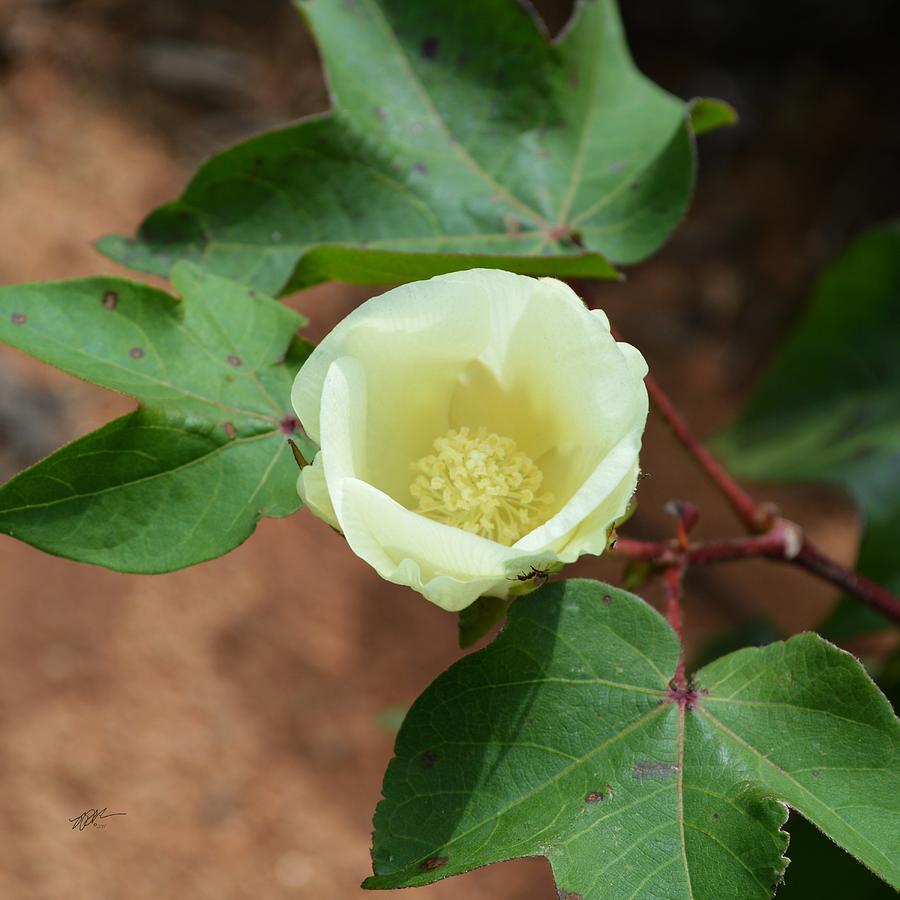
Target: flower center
[{"x": 480, "y": 482}]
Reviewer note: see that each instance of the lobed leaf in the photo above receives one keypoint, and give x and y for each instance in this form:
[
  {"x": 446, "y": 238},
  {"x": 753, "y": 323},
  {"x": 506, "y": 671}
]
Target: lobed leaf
[
  {"x": 459, "y": 137},
  {"x": 187, "y": 476},
  {"x": 564, "y": 739}
]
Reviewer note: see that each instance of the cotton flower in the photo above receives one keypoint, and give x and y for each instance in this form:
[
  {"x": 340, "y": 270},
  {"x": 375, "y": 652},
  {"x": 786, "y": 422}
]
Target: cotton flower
[{"x": 474, "y": 429}]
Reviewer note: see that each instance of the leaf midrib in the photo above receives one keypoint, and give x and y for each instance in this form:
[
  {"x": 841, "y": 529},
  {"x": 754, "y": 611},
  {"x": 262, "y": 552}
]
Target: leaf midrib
[
  {"x": 578, "y": 164},
  {"x": 772, "y": 704},
  {"x": 460, "y": 148},
  {"x": 414, "y": 238},
  {"x": 679, "y": 803},
  {"x": 148, "y": 478}
]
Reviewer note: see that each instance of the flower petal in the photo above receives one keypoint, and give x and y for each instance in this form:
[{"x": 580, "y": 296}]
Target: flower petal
[
  {"x": 522, "y": 357},
  {"x": 313, "y": 491},
  {"x": 417, "y": 329},
  {"x": 449, "y": 566},
  {"x": 343, "y": 423},
  {"x": 592, "y": 496},
  {"x": 591, "y": 535}
]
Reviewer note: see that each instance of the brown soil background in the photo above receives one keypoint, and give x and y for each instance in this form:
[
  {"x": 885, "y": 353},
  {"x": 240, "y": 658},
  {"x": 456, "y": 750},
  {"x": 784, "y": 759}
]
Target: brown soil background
[{"x": 235, "y": 711}]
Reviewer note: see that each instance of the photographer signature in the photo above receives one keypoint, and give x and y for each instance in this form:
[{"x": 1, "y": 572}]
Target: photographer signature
[{"x": 92, "y": 817}]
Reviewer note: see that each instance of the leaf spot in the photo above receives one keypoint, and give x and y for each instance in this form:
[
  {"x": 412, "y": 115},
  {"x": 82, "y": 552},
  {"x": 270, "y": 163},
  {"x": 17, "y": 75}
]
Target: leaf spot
[
  {"x": 230, "y": 430},
  {"x": 234, "y": 360},
  {"x": 136, "y": 352},
  {"x": 287, "y": 425},
  {"x": 110, "y": 300},
  {"x": 607, "y": 599},
  {"x": 617, "y": 167},
  {"x": 656, "y": 770},
  {"x": 428, "y": 759},
  {"x": 380, "y": 114},
  {"x": 420, "y": 167},
  {"x": 432, "y": 863},
  {"x": 430, "y": 47},
  {"x": 716, "y": 816},
  {"x": 18, "y": 318},
  {"x": 569, "y": 895}
]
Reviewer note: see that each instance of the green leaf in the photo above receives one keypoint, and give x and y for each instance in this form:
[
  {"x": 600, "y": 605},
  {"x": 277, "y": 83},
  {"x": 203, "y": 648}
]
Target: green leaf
[
  {"x": 564, "y": 739},
  {"x": 819, "y": 868},
  {"x": 187, "y": 476},
  {"x": 459, "y": 137},
  {"x": 828, "y": 408},
  {"x": 709, "y": 115}
]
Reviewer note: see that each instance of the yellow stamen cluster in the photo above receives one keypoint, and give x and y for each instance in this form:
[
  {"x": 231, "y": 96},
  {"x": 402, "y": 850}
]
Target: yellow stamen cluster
[{"x": 481, "y": 482}]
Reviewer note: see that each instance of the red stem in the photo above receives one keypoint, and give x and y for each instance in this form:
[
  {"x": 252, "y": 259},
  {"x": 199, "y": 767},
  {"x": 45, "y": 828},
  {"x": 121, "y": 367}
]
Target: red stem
[
  {"x": 776, "y": 538},
  {"x": 649, "y": 551},
  {"x": 783, "y": 542},
  {"x": 870, "y": 592},
  {"x": 672, "y": 579}
]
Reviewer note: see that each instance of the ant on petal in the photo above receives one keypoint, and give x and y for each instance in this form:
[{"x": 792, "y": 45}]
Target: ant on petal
[{"x": 539, "y": 576}]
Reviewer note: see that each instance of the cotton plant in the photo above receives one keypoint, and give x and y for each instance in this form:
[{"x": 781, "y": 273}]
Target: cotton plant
[{"x": 476, "y": 429}]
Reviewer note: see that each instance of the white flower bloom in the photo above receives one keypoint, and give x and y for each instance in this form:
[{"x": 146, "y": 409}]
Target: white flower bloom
[{"x": 474, "y": 429}]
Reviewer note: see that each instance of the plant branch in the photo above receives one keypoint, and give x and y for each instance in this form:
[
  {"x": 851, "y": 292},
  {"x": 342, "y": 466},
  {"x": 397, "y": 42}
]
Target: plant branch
[
  {"x": 673, "y": 579},
  {"x": 783, "y": 542},
  {"x": 870, "y": 592},
  {"x": 772, "y": 536},
  {"x": 658, "y": 552}
]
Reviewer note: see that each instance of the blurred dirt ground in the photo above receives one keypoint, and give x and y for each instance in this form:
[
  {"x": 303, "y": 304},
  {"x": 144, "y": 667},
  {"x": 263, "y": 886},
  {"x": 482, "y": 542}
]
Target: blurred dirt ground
[{"x": 237, "y": 712}]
